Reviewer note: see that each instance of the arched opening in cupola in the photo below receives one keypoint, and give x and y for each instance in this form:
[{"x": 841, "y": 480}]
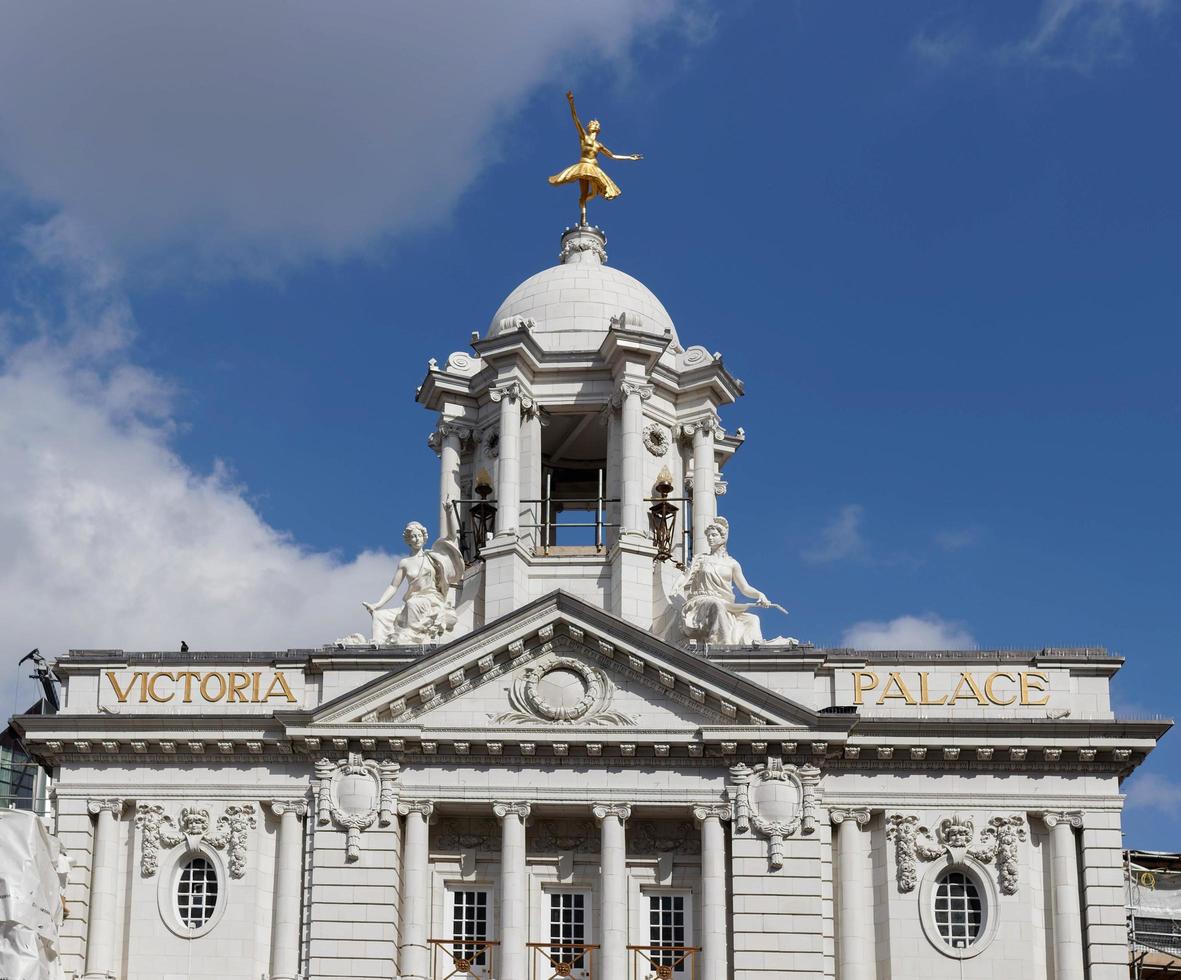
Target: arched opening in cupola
[{"x": 575, "y": 506}]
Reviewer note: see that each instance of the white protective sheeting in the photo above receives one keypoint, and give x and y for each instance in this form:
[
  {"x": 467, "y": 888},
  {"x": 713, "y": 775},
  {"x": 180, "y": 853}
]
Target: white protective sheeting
[{"x": 33, "y": 870}]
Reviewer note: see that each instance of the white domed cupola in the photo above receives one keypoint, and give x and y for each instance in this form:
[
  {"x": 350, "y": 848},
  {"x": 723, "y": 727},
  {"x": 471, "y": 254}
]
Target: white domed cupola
[
  {"x": 579, "y": 403},
  {"x": 571, "y": 305}
]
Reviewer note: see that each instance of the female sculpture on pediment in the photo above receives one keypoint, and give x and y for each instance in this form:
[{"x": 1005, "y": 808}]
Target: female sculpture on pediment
[
  {"x": 710, "y": 614},
  {"x": 425, "y": 613}
]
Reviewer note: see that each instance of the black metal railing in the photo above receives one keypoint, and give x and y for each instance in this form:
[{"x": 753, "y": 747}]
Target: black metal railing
[{"x": 473, "y": 539}]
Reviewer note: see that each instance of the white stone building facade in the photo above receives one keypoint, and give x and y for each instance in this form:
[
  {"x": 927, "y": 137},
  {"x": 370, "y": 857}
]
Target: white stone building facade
[{"x": 562, "y": 782}]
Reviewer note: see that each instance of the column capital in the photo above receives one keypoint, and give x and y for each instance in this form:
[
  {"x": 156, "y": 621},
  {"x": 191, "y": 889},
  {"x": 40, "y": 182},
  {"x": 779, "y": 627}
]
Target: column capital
[
  {"x": 298, "y": 807},
  {"x": 520, "y": 808},
  {"x": 857, "y": 816},
  {"x": 1051, "y": 818},
  {"x": 602, "y": 811},
  {"x": 425, "y": 807},
  {"x": 704, "y": 812},
  {"x": 710, "y": 424},
  {"x": 514, "y": 391},
  {"x": 111, "y": 805},
  {"x": 448, "y": 428}
]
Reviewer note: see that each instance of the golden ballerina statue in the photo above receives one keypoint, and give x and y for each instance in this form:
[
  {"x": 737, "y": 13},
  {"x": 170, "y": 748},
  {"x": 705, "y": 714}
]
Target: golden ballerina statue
[{"x": 592, "y": 182}]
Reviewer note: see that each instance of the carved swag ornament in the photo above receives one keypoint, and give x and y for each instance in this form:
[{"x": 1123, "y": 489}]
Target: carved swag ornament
[
  {"x": 777, "y": 800},
  {"x": 954, "y": 836},
  {"x": 158, "y": 830}
]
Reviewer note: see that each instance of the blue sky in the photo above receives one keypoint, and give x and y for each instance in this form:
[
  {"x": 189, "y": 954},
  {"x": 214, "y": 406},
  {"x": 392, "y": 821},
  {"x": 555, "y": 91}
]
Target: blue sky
[{"x": 938, "y": 241}]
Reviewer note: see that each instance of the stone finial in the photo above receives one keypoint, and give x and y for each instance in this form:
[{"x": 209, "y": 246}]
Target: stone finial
[{"x": 584, "y": 243}]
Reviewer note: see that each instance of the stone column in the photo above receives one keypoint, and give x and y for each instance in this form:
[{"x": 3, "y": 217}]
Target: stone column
[
  {"x": 704, "y": 477},
  {"x": 288, "y": 889},
  {"x": 857, "y": 953},
  {"x": 508, "y": 471},
  {"x": 713, "y": 890},
  {"x": 612, "y": 958},
  {"x": 104, "y": 876},
  {"x": 414, "y": 960},
  {"x": 632, "y": 396},
  {"x": 1068, "y": 920},
  {"x": 513, "y": 955},
  {"x": 446, "y": 440}
]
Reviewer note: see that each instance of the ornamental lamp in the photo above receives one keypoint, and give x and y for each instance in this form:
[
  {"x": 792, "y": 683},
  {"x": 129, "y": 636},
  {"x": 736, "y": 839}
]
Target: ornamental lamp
[
  {"x": 662, "y": 515},
  {"x": 483, "y": 513}
]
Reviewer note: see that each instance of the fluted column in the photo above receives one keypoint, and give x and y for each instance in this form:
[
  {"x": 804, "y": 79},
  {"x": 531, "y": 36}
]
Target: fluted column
[
  {"x": 857, "y": 954},
  {"x": 632, "y": 396},
  {"x": 446, "y": 439},
  {"x": 288, "y": 889},
  {"x": 613, "y": 888},
  {"x": 508, "y": 471},
  {"x": 713, "y": 889},
  {"x": 1068, "y": 919},
  {"x": 104, "y": 871},
  {"x": 514, "y": 892},
  {"x": 704, "y": 477},
  {"x": 414, "y": 960}
]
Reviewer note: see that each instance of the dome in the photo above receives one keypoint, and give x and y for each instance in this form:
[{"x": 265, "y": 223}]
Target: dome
[{"x": 572, "y": 304}]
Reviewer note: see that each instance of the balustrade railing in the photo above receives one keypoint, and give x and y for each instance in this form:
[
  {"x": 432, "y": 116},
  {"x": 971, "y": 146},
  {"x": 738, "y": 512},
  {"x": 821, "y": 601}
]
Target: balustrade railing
[
  {"x": 664, "y": 962},
  {"x": 467, "y": 958},
  {"x": 559, "y": 960}
]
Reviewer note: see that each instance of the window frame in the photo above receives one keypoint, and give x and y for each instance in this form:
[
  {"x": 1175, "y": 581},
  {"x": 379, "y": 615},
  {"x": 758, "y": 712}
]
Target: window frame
[
  {"x": 686, "y": 894},
  {"x": 166, "y": 893},
  {"x": 989, "y": 902},
  {"x": 589, "y": 922},
  {"x": 453, "y": 888}
]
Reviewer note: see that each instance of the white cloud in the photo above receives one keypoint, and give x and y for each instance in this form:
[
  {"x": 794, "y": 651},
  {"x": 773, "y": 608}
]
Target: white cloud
[
  {"x": 841, "y": 538},
  {"x": 956, "y": 539},
  {"x": 108, "y": 538},
  {"x": 250, "y": 134},
  {"x": 1148, "y": 791},
  {"x": 939, "y": 49},
  {"x": 1079, "y": 35},
  {"x": 1082, "y": 34},
  {"x": 927, "y": 632}
]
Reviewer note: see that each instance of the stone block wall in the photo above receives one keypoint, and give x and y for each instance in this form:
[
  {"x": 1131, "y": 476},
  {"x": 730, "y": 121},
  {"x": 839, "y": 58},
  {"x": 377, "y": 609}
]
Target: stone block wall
[
  {"x": 353, "y": 907},
  {"x": 778, "y": 916}
]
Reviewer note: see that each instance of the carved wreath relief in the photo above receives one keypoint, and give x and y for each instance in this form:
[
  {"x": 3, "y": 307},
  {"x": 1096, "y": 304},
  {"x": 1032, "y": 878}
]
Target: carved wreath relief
[
  {"x": 158, "y": 829},
  {"x": 353, "y": 794},
  {"x": 656, "y": 439},
  {"x": 775, "y": 799},
  {"x": 563, "y": 690},
  {"x": 954, "y": 836}
]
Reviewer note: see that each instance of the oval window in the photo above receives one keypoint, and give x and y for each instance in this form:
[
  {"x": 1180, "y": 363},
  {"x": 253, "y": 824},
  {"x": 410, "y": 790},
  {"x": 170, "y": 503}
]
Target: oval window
[
  {"x": 959, "y": 909},
  {"x": 196, "y": 893}
]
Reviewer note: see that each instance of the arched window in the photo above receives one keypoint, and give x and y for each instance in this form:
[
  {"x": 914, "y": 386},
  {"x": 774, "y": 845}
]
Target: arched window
[
  {"x": 959, "y": 909},
  {"x": 196, "y": 893}
]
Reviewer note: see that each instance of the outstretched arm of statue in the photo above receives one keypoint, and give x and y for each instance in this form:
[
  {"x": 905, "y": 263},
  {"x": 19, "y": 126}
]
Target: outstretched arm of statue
[
  {"x": 746, "y": 588},
  {"x": 451, "y": 531},
  {"x": 620, "y": 156},
  {"x": 390, "y": 591},
  {"x": 574, "y": 113}
]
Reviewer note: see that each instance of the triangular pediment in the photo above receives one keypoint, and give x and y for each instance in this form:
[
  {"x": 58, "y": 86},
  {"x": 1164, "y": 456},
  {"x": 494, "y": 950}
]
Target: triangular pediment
[{"x": 561, "y": 663}]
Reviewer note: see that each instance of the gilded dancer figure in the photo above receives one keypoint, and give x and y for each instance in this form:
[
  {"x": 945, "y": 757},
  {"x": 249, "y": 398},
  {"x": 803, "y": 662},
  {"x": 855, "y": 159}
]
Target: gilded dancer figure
[{"x": 592, "y": 182}]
